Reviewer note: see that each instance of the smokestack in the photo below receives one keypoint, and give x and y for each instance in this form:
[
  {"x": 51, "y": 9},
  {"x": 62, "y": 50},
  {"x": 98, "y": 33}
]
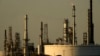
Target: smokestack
[
  {"x": 26, "y": 35},
  {"x": 26, "y": 27},
  {"x": 41, "y": 30},
  {"x": 41, "y": 36},
  {"x": 74, "y": 27},
  {"x": 5, "y": 43},
  {"x": 91, "y": 10},
  {"x": 90, "y": 25},
  {"x": 5, "y": 35},
  {"x": 41, "y": 45}
]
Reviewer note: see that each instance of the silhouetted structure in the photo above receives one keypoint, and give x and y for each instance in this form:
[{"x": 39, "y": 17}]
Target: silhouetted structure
[
  {"x": 5, "y": 44},
  {"x": 66, "y": 38},
  {"x": 25, "y": 50},
  {"x": 66, "y": 44},
  {"x": 46, "y": 39},
  {"x": 74, "y": 27},
  {"x": 41, "y": 45},
  {"x": 90, "y": 25},
  {"x": 17, "y": 47},
  {"x": 70, "y": 35},
  {"x": 85, "y": 38},
  {"x": 10, "y": 42}
]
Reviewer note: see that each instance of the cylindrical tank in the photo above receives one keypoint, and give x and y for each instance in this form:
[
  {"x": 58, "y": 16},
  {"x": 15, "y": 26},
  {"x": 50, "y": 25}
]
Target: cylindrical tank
[{"x": 70, "y": 50}]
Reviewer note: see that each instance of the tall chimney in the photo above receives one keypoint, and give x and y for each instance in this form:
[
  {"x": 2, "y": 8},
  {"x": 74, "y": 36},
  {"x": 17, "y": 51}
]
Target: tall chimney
[
  {"x": 41, "y": 33},
  {"x": 26, "y": 35},
  {"x": 74, "y": 27},
  {"x": 5, "y": 43},
  {"x": 90, "y": 25},
  {"x": 41, "y": 44}
]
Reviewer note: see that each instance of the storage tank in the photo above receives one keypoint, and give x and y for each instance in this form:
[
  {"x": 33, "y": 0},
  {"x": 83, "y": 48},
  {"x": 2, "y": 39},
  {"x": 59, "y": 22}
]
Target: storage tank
[{"x": 70, "y": 50}]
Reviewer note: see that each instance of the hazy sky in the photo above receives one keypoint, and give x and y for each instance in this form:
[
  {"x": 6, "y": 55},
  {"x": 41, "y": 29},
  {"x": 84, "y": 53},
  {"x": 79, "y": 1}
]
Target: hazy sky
[{"x": 52, "y": 12}]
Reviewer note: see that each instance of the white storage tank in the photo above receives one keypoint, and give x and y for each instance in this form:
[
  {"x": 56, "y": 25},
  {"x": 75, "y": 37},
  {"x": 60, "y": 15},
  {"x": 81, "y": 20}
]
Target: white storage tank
[{"x": 70, "y": 50}]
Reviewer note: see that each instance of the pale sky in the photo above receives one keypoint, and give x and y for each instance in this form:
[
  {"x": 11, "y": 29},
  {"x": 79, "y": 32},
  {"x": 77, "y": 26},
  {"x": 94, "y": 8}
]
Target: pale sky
[{"x": 52, "y": 12}]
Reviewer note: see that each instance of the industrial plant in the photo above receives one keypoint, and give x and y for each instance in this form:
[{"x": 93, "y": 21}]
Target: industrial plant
[{"x": 65, "y": 46}]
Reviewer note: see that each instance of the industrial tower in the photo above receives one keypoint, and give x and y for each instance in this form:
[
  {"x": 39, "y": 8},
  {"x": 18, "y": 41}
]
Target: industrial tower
[
  {"x": 74, "y": 27},
  {"x": 10, "y": 42},
  {"x": 26, "y": 36},
  {"x": 46, "y": 39},
  {"x": 5, "y": 43},
  {"x": 90, "y": 25},
  {"x": 41, "y": 42},
  {"x": 66, "y": 38}
]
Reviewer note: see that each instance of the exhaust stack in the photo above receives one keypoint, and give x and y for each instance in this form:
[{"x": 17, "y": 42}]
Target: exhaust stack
[
  {"x": 90, "y": 25},
  {"x": 26, "y": 35},
  {"x": 5, "y": 43},
  {"x": 41, "y": 44},
  {"x": 74, "y": 27}
]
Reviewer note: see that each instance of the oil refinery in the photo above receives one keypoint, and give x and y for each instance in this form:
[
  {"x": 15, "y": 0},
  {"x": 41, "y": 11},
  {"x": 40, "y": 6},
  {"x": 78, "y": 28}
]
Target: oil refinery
[{"x": 64, "y": 46}]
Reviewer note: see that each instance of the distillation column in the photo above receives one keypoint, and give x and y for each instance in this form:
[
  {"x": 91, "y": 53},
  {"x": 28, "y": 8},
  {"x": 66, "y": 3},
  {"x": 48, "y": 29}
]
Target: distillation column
[
  {"x": 26, "y": 36},
  {"x": 46, "y": 39},
  {"x": 10, "y": 42},
  {"x": 66, "y": 38},
  {"x": 74, "y": 27}
]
